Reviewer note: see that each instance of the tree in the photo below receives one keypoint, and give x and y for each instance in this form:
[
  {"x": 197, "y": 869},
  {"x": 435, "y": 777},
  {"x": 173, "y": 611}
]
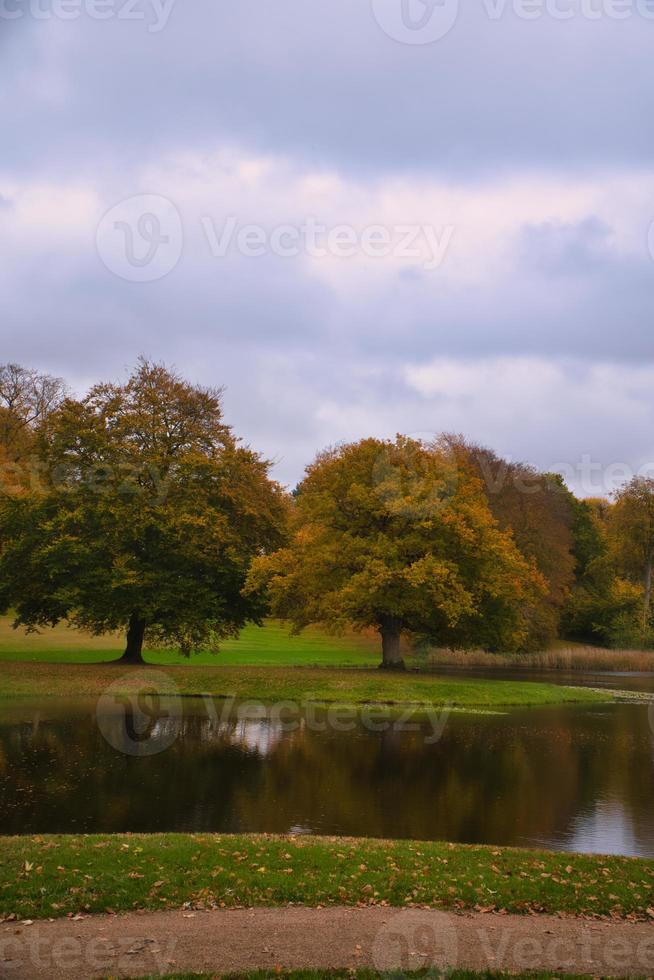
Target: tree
[
  {"x": 631, "y": 536},
  {"x": 540, "y": 512},
  {"x": 395, "y": 536},
  {"x": 27, "y": 397},
  {"x": 589, "y": 534},
  {"x": 148, "y": 517}
]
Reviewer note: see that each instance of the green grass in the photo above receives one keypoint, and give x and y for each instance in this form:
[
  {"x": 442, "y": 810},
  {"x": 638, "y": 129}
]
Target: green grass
[
  {"x": 272, "y": 684},
  {"x": 54, "y": 875},
  {"x": 258, "y": 646}
]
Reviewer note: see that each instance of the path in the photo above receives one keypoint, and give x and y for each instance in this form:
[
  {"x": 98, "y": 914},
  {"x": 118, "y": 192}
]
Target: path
[{"x": 136, "y": 944}]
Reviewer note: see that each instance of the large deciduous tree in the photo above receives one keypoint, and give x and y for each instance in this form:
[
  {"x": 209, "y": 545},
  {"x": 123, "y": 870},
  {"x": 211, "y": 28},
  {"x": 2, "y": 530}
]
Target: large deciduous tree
[
  {"x": 397, "y": 536},
  {"x": 148, "y": 515}
]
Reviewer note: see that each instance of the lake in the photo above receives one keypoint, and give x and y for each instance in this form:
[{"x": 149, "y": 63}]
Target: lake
[{"x": 568, "y": 778}]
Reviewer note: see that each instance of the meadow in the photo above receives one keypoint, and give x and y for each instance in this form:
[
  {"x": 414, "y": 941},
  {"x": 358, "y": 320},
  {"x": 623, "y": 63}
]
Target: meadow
[
  {"x": 274, "y": 644},
  {"x": 265, "y": 646},
  {"x": 263, "y": 663}
]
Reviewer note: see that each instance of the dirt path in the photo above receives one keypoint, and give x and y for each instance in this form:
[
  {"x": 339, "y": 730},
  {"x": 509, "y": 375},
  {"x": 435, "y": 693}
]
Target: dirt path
[{"x": 161, "y": 942}]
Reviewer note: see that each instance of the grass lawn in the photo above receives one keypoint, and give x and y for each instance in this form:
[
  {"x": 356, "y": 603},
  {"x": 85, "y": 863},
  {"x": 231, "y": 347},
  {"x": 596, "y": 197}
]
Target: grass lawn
[
  {"x": 259, "y": 646},
  {"x": 272, "y": 684},
  {"x": 50, "y": 876},
  {"x": 260, "y": 665}
]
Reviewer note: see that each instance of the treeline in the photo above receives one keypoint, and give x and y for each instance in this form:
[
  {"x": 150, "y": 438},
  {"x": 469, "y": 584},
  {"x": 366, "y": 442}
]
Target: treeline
[{"x": 137, "y": 508}]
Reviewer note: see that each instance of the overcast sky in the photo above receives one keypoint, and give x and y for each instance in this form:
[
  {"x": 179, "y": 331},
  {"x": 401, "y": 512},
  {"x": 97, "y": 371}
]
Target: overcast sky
[{"x": 450, "y": 210}]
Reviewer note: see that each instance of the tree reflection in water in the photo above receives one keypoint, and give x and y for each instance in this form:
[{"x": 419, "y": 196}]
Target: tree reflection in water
[{"x": 571, "y": 777}]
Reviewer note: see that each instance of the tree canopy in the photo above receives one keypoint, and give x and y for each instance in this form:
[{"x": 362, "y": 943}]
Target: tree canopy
[
  {"x": 27, "y": 397},
  {"x": 539, "y": 511},
  {"x": 631, "y": 536},
  {"x": 396, "y": 535},
  {"x": 146, "y": 518},
  {"x": 136, "y": 508}
]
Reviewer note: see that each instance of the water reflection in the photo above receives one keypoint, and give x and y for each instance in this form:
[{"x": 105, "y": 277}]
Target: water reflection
[{"x": 577, "y": 778}]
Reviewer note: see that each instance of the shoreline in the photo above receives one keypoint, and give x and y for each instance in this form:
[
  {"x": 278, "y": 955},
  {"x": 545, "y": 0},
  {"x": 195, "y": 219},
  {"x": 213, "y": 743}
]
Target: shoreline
[{"x": 331, "y": 686}]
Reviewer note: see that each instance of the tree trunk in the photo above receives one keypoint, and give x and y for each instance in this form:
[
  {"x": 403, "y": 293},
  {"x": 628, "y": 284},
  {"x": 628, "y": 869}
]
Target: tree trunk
[
  {"x": 647, "y": 599},
  {"x": 391, "y": 655},
  {"x": 135, "y": 633}
]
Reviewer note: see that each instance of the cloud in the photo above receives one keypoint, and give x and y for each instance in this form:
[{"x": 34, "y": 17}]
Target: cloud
[
  {"x": 325, "y": 84},
  {"x": 591, "y": 423},
  {"x": 519, "y": 143}
]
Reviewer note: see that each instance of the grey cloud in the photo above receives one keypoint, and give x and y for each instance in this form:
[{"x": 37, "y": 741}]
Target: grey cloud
[
  {"x": 323, "y": 83},
  {"x": 566, "y": 250}
]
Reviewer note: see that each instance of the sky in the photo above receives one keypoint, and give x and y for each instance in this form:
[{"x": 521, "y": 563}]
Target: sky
[{"x": 360, "y": 217}]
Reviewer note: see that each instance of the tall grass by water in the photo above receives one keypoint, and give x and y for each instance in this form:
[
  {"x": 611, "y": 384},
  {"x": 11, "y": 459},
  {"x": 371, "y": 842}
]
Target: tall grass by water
[{"x": 573, "y": 657}]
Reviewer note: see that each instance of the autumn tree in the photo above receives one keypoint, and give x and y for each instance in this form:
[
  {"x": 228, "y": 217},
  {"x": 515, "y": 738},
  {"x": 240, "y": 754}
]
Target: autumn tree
[
  {"x": 393, "y": 535},
  {"x": 631, "y": 537},
  {"x": 148, "y": 516},
  {"x": 27, "y": 397},
  {"x": 542, "y": 515}
]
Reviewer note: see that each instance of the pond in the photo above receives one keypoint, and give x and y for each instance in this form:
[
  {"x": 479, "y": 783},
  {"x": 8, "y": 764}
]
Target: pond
[{"x": 569, "y": 778}]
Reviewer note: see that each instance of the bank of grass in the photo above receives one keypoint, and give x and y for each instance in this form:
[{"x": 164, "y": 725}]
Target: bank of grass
[
  {"x": 274, "y": 684},
  {"x": 50, "y": 876}
]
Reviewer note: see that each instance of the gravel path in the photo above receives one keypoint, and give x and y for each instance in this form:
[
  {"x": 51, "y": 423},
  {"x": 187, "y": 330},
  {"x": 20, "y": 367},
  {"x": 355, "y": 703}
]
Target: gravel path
[{"x": 136, "y": 944}]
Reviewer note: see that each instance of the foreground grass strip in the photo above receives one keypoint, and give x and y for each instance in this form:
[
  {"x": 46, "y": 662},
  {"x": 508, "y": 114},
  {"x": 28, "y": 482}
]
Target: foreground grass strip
[
  {"x": 427, "y": 974},
  {"x": 346, "y": 686},
  {"x": 54, "y": 876}
]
